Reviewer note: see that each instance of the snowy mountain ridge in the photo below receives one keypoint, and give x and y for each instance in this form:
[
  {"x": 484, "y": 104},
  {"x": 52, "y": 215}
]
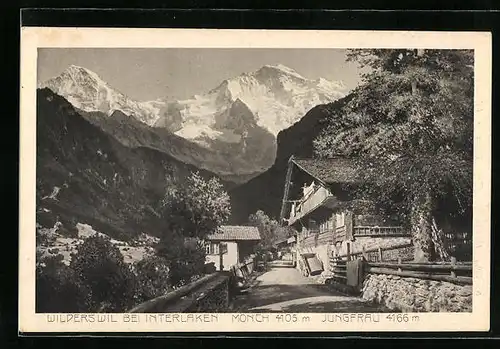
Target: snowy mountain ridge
[
  {"x": 277, "y": 94},
  {"x": 239, "y": 119}
]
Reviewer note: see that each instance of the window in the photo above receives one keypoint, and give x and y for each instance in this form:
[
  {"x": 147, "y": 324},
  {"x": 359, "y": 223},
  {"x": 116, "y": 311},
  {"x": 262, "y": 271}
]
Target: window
[
  {"x": 330, "y": 224},
  {"x": 214, "y": 248},
  {"x": 325, "y": 225}
]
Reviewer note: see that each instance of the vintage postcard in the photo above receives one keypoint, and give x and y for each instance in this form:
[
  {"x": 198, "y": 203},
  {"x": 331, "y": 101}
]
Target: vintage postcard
[{"x": 254, "y": 180}]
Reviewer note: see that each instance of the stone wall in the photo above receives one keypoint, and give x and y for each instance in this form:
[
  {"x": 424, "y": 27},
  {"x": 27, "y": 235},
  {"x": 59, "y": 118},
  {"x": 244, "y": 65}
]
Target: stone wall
[
  {"x": 211, "y": 293},
  {"x": 369, "y": 243},
  {"x": 214, "y": 298},
  {"x": 375, "y": 242},
  {"x": 417, "y": 295}
]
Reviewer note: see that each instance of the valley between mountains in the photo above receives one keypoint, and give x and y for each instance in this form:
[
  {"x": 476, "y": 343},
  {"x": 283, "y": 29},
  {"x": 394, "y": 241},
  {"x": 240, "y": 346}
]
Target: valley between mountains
[{"x": 104, "y": 160}]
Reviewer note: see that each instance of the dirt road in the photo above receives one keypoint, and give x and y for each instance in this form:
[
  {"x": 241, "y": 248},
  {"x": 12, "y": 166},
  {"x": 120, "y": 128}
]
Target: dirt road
[{"x": 286, "y": 290}]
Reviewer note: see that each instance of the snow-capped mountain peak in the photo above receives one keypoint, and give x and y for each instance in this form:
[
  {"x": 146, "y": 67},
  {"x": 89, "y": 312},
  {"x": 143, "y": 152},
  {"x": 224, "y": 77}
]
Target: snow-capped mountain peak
[
  {"x": 76, "y": 70},
  {"x": 87, "y": 91},
  {"x": 239, "y": 118},
  {"x": 284, "y": 70},
  {"x": 76, "y": 76},
  {"x": 276, "y": 94}
]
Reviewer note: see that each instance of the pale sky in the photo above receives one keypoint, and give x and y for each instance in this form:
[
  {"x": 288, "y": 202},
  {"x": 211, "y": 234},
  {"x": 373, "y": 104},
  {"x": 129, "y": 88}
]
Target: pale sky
[{"x": 174, "y": 73}]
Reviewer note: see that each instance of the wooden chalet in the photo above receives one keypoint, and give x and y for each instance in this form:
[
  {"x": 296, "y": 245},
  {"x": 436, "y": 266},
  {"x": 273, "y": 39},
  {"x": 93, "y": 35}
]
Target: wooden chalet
[{"x": 319, "y": 204}]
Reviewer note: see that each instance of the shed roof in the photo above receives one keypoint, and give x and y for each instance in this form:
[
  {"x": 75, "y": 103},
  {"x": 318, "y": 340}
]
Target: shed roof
[
  {"x": 235, "y": 232},
  {"x": 329, "y": 171}
]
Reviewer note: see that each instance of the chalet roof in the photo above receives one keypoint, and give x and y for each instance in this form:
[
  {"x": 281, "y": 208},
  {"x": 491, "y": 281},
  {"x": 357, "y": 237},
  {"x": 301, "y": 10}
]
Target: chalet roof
[
  {"x": 235, "y": 232},
  {"x": 329, "y": 171}
]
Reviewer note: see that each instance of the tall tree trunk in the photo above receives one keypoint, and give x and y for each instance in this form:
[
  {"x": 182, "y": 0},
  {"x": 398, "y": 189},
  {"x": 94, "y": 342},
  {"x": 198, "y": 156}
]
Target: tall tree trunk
[
  {"x": 439, "y": 243},
  {"x": 421, "y": 227}
]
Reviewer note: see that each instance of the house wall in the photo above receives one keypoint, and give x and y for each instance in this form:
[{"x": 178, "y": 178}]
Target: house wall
[
  {"x": 317, "y": 238},
  {"x": 321, "y": 251},
  {"x": 323, "y": 245},
  {"x": 229, "y": 259}
]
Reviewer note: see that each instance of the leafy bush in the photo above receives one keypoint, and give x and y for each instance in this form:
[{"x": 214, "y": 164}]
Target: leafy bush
[
  {"x": 209, "y": 268},
  {"x": 196, "y": 208},
  {"x": 100, "y": 266},
  {"x": 68, "y": 229},
  {"x": 186, "y": 258},
  {"x": 191, "y": 211},
  {"x": 153, "y": 278},
  {"x": 58, "y": 288},
  {"x": 99, "y": 280}
]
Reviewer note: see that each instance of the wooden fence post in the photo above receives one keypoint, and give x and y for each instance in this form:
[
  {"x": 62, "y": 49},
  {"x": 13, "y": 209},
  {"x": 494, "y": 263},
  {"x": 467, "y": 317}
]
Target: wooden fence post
[
  {"x": 399, "y": 262},
  {"x": 380, "y": 254},
  {"x": 348, "y": 245}
]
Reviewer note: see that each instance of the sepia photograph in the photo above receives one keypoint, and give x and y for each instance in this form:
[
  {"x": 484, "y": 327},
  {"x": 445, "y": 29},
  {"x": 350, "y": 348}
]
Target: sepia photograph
[{"x": 292, "y": 185}]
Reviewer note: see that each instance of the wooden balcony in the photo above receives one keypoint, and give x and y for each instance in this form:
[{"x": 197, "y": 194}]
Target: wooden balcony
[
  {"x": 342, "y": 233},
  {"x": 309, "y": 203},
  {"x": 377, "y": 231}
]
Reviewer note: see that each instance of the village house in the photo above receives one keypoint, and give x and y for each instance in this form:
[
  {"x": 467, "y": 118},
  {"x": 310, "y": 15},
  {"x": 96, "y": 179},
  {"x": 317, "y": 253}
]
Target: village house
[
  {"x": 319, "y": 204},
  {"x": 231, "y": 245},
  {"x": 286, "y": 247}
]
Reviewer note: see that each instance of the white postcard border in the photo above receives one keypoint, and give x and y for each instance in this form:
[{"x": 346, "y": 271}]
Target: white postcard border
[{"x": 33, "y": 38}]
